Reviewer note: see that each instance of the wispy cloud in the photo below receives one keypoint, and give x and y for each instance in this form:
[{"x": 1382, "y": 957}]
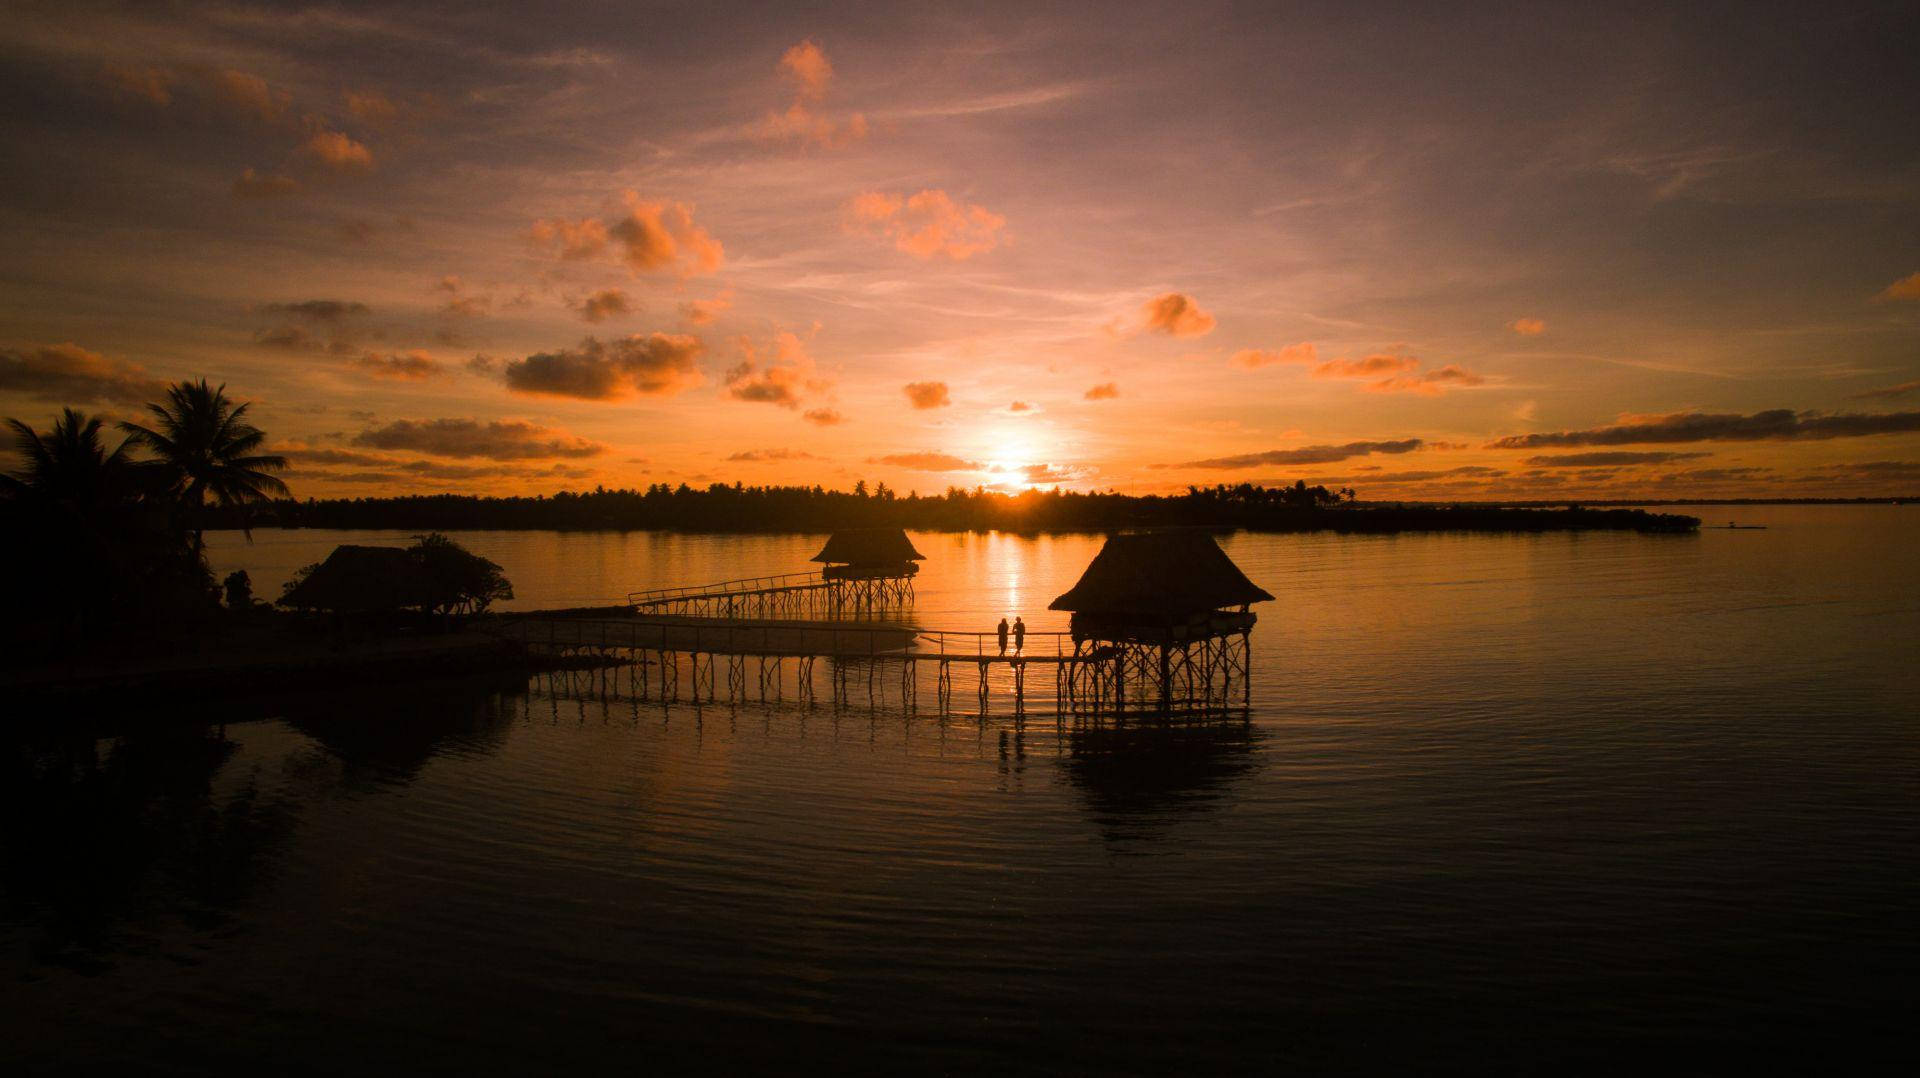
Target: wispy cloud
[
  {"x": 1780, "y": 424},
  {"x": 1904, "y": 389},
  {"x": 927, "y": 225},
  {"x": 1309, "y": 454},
  {"x": 495, "y": 440}
]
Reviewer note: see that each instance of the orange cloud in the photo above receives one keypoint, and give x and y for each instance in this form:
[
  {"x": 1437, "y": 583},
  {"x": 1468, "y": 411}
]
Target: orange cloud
[
  {"x": 1019, "y": 406},
  {"x": 1907, "y": 287},
  {"x": 371, "y": 107},
  {"x": 1527, "y": 327},
  {"x": 1105, "y": 391},
  {"x": 925, "y": 395},
  {"x": 571, "y": 240},
  {"x": 467, "y": 306},
  {"x": 1054, "y": 474},
  {"x": 70, "y": 374},
  {"x": 651, "y": 365},
  {"x": 603, "y": 305},
  {"x": 927, "y": 225},
  {"x": 1176, "y": 314},
  {"x": 824, "y": 417},
  {"x": 253, "y": 184},
  {"x": 1311, "y": 454},
  {"x": 1255, "y": 358},
  {"x": 512, "y": 439},
  {"x": 1433, "y": 383},
  {"x": 785, "y": 378},
  {"x": 1371, "y": 367},
  {"x": 1609, "y": 459},
  {"x": 807, "y": 67},
  {"x": 758, "y": 456},
  {"x": 151, "y": 85},
  {"x": 655, "y": 235},
  {"x": 703, "y": 312},
  {"x": 928, "y": 462},
  {"x": 802, "y": 123},
  {"x": 337, "y": 152},
  {"x": 249, "y": 95},
  {"x": 412, "y": 366}
]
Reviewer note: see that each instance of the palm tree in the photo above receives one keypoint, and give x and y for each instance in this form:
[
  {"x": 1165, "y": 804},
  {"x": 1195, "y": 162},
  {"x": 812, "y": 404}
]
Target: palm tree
[
  {"x": 69, "y": 467},
  {"x": 205, "y": 440},
  {"x": 88, "y": 544}
]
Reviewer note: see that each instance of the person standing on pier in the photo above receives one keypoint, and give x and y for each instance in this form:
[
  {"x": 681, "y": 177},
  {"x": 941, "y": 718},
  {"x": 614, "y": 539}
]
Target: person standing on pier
[
  {"x": 1019, "y": 634},
  {"x": 1003, "y": 636}
]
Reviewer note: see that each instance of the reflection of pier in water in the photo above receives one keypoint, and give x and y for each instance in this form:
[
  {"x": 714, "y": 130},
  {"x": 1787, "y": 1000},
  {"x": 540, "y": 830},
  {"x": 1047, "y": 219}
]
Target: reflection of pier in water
[
  {"x": 1149, "y": 636},
  {"x": 1134, "y": 779}
]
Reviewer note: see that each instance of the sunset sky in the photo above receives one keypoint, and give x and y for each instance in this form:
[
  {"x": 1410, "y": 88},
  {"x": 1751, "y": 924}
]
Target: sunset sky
[{"x": 1421, "y": 250}]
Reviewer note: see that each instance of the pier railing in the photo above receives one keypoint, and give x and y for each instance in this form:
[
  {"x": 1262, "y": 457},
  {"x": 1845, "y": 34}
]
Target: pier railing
[
  {"x": 776, "y": 638},
  {"x": 743, "y": 586},
  {"x": 1202, "y": 676},
  {"x": 987, "y": 645}
]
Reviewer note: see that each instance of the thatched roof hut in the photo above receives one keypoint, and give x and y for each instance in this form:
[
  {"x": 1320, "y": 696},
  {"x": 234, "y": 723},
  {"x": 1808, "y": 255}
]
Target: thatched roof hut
[
  {"x": 1159, "y": 578},
  {"x": 359, "y": 578},
  {"x": 865, "y": 551}
]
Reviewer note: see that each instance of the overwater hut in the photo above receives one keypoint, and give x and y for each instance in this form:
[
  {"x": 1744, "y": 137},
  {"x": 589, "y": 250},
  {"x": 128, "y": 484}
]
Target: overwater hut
[
  {"x": 867, "y": 553},
  {"x": 1161, "y": 586},
  {"x": 1161, "y": 621},
  {"x": 359, "y": 579}
]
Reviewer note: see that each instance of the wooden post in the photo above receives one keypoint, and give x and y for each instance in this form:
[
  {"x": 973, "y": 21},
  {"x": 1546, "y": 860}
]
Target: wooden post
[{"x": 1166, "y": 681}]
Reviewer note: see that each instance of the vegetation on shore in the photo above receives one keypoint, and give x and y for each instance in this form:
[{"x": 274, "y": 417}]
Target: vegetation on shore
[
  {"x": 104, "y": 542},
  {"x": 738, "y": 508}
]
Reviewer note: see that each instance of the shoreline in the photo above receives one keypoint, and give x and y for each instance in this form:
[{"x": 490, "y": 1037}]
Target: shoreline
[
  {"x": 1361, "y": 519},
  {"x": 227, "y": 672}
]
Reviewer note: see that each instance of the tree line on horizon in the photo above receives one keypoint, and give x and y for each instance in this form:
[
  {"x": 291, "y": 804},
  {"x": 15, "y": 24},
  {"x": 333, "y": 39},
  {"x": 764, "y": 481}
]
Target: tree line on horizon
[{"x": 737, "y": 507}]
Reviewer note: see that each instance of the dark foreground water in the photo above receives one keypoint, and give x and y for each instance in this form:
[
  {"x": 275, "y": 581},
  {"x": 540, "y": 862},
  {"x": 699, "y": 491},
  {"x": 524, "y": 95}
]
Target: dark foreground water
[{"x": 1540, "y": 803}]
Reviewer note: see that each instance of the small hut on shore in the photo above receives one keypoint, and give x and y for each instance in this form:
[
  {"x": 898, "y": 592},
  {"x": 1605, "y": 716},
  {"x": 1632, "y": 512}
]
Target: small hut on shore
[
  {"x": 867, "y": 553},
  {"x": 359, "y": 579},
  {"x": 1161, "y": 621}
]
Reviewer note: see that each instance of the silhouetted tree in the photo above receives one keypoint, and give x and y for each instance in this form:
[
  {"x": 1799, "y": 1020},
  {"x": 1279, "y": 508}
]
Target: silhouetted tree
[
  {"x": 456, "y": 580},
  {"x": 239, "y": 588},
  {"x": 205, "y": 440},
  {"x": 69, "y": 468},
  {"x": 91, "y": 550}
]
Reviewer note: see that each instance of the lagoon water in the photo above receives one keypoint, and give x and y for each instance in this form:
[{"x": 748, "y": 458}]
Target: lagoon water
[{"x": 1502, "y": 803}]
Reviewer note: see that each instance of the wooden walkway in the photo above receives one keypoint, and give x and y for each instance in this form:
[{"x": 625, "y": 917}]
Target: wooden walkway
[
  {"x": 741, "y": 623},
  {"x": 790, "y": 638}
]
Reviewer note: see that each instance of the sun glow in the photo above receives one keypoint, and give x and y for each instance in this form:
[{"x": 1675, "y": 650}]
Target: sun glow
[
  {"x": 1012, "y": 457},
  {"x": 1009, "y": 474}
]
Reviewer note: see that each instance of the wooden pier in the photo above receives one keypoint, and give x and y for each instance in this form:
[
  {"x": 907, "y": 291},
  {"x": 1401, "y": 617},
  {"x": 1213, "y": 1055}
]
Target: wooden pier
[
  {"x": 789, "y": 595},
  {"x": 683, "y": 659},
  {"x": 1135, "y": 654}
]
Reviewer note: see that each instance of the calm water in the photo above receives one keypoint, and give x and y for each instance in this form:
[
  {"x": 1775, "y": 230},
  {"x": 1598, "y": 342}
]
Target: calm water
[{"x": 1504, "y": 803}]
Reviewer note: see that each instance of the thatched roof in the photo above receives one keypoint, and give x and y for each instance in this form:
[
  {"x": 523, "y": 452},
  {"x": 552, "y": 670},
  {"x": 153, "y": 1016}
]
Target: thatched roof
[
  {"x": 360, "y": 578},
  {"x": 868, "y": 546},
  {"x": 1172, "y": 573}
]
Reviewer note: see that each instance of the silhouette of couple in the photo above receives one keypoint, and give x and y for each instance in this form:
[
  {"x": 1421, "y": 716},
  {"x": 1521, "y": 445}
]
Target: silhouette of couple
[{"x": 1019, "y": 635}]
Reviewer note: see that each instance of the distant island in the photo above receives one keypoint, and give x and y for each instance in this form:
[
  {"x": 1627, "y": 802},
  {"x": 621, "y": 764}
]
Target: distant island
[{"x": 739, "y": 508}]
